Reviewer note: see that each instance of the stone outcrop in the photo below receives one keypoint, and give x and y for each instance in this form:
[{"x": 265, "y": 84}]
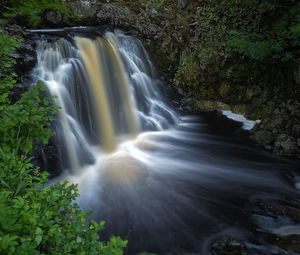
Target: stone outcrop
[
  {"x": 279, "y": 131},
  {"x": 228, "y": 246}
]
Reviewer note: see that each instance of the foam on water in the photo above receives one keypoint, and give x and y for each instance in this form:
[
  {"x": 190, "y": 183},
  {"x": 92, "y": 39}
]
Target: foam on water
[{"x": 247, "y": 124}]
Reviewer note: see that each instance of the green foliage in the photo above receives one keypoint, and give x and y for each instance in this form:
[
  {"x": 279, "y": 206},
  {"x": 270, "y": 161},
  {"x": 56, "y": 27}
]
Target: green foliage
[
  {"x": 7, "y": 46},
  {"x": 187, "y": 73},
  {"x": 258, "y": 30},
  {"x": 26, "y": 121},
  {"x": 7, "y": 81},
  {"x": 35, "y": 219},
  {"x": 188, "y": 77},
  {"x": 33, "y": 10},
  {"x": 244, "y": 44},
  {"x": 253, "y": 49}
]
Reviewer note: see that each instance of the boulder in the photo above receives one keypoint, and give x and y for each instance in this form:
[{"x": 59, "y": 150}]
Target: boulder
[
  {"x": 264, "y": 138},
  {"x": 286, "y": 145},
  {"x": 279, "y": 129},
  {"x": 228, "y": 246},
  {"x": 47, "y": 157},
  {"x": 114, "y": 14},
  {"x": 85, "y": 9}
]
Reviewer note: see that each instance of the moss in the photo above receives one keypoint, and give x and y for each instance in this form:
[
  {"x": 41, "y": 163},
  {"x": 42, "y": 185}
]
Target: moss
[
  {"x": 187, "y": 74},
  {"x": 204, "y": 105},
  {"x": 224, "y": 90},
  {"x": 262, "y": 111}
]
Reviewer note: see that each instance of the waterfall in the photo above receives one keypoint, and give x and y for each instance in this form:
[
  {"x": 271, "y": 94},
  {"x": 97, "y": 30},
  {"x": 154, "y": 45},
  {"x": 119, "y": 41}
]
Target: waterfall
[{"x": 107, "y": 93}]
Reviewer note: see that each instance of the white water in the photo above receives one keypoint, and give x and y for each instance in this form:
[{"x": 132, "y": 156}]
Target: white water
[
  {"x": 247, "y": 124},
  {"x": 95, "y": 119}
]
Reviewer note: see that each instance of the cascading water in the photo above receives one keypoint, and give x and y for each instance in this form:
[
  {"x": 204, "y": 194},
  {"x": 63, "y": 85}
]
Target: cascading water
[
  {"x": 96, "y": 94},
  {"x": 169, "y": 184}
]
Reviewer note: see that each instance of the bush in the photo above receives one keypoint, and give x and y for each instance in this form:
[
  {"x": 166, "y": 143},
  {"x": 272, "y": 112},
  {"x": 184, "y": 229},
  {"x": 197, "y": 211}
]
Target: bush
[
  {"x": 254, "y": 29},
  {"x": 35, "y": 219}
]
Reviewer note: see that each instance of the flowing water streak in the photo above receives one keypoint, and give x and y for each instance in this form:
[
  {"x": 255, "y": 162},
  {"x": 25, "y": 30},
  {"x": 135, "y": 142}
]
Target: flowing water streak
[
  {"x": 112, "y": 47},
  {"x": 90, "y": 55},
  {"x": 52, "y": 69}
]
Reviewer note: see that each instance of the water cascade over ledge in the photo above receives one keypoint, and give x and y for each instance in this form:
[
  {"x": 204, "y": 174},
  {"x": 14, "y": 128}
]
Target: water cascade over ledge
[
  {"x": 102, "y": 102},
  {"x": 169, "y": 183}
]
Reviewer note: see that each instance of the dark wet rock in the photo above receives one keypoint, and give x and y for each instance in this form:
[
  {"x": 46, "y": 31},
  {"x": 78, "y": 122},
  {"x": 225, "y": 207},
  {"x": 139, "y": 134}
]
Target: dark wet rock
[
  {"x": 17, "y": 91},
  {"x": 286, "y": 145},
  {"x": 276, "y": 208},
  {"x": 53, "y": 18},
  {"x": 264, "y": 138},
  {"x": 114, "y": 14},
  {"x": 85, "y": 9},
  {"x": 182, "y": 3},
  {"x": 17, "y": 31},
  {"x": 25, "y": 56},
  {"x": 228, "y": 246},
  {"x": 279, "y": 129},
  {"x": 47, "y": 157},
  {"x": 95, "y": 13},
  {"x": 296, "y": 130},
  {"x": 273, "y": 220},
  {"x": 271, "y": 225},
  {"x": 25, "y": 59}
]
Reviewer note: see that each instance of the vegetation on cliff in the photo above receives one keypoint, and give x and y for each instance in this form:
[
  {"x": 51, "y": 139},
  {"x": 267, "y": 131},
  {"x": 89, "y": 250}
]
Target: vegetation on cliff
[
  {"x": 245, "y": 44},
  {"x": 36, "y": 218}
]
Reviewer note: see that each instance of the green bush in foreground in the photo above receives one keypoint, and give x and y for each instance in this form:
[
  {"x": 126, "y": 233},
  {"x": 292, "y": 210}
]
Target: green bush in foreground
[{"x": 35, "y": 219}]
